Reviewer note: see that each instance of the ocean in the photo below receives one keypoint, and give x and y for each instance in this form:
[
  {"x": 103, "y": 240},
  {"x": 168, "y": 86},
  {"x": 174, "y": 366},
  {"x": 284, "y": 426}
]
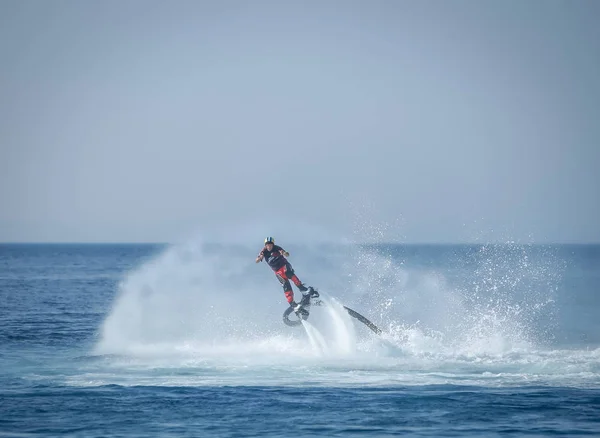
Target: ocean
[{"x": 107, "y": 340}]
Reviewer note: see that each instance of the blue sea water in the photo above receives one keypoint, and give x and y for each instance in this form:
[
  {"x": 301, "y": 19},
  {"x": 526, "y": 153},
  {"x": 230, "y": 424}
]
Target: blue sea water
[{"x": 188, "y": 340}]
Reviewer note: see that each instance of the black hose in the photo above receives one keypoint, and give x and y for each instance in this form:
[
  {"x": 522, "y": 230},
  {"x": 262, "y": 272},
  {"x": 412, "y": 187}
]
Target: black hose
[{"x": 365, "y": 321}]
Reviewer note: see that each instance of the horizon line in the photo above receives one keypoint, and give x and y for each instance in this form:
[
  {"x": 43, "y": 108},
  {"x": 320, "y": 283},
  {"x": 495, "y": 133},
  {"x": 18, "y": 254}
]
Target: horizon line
[{"x": 423, "y": 243}]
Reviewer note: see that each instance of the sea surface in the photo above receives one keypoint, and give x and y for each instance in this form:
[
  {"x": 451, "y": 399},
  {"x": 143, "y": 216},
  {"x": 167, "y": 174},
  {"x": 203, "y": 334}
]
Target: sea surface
[{"x": 103, "y": 340}]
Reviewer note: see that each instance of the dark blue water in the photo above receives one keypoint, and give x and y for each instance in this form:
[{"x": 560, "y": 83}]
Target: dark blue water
[{"x": 150, "y": 340}]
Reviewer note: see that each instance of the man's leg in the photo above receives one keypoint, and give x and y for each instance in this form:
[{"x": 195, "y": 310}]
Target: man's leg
[
  {"x": 289, "y": 293},
  {"x": 289, "y": 272},
  {"x": 287, "y": 287}
]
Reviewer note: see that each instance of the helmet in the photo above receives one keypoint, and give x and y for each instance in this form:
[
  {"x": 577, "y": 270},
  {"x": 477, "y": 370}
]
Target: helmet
[{"x": 269, "y": 240}]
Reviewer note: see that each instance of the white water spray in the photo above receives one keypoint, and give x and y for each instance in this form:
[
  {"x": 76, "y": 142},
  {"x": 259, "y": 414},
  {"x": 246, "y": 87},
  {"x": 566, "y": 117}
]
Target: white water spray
[
  {"x": 317, "y": 341},
  {"x": 331, "y": 330},
  {"x": 207, "y": 305}
]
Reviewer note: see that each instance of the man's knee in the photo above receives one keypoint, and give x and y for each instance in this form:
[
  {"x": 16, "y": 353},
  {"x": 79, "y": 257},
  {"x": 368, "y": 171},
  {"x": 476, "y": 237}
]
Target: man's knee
[
  {"x": 289, "y": 271},
  {"x": 287, "y": 286}
]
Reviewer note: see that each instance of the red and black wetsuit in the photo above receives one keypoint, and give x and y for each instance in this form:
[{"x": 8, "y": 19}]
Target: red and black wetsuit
[{"x": 283, "y": 270}]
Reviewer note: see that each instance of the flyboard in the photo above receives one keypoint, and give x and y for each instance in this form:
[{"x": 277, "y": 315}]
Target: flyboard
[{"x": 311, "y": 298}]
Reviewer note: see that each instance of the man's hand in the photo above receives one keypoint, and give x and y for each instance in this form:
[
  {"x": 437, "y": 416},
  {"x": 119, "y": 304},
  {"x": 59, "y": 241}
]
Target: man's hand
[
  {"x": 258, "y": 259},
  {"x": 285, "y": 253}
]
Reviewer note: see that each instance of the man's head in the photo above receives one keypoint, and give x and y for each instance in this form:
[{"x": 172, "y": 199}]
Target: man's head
[{"x": 269, "y": 243}]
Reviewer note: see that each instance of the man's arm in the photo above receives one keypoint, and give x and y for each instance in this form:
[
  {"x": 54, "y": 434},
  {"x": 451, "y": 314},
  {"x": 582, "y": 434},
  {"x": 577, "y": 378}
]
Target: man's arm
[
  {"x": 284, "y": 252},
  {"x": 260, "y": 256}
]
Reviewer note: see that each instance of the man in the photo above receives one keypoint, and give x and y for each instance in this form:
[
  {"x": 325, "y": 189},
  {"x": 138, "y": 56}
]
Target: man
[{"x": 275, "y": 257}]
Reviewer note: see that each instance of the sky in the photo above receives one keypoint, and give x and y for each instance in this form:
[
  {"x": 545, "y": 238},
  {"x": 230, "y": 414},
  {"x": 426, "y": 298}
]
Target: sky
[{"x": 403, "y": 121}]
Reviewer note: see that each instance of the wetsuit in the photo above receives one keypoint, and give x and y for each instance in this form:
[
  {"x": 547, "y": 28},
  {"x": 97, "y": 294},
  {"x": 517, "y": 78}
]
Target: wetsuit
[{"x": 283, "y": 270}]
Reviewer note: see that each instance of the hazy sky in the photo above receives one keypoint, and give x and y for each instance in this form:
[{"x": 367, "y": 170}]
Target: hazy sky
[{"x": 435, "y": 121}]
